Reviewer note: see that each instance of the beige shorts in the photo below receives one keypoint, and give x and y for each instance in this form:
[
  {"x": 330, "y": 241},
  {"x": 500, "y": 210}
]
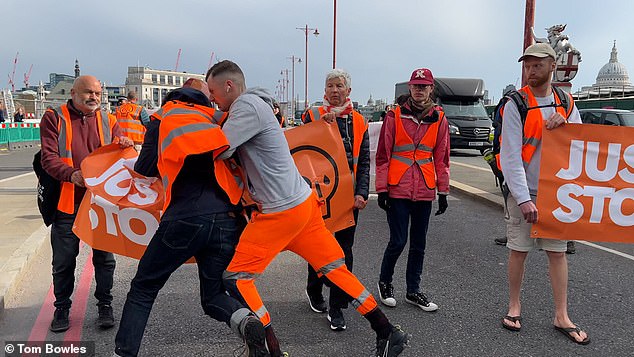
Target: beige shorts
[{"x": 518, "y": 232}]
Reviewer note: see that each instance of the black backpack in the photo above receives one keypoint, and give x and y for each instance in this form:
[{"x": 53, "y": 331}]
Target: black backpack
[
  {"x": 48, "y": 191},
  {"x": 520, "y": 100}
]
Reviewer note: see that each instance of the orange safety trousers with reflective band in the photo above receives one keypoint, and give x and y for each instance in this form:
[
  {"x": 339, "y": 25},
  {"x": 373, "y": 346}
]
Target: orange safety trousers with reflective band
[
  {"x": 533, "y": 126},
  {"x": 190, "y": 129},
  {"x": 301, "y": 230},
  {"x": 129, "y": 119},
  {"x": 105, "y": 123},
  {"x": 406, "y": 154},
  {"x": 359, "y": 127}
]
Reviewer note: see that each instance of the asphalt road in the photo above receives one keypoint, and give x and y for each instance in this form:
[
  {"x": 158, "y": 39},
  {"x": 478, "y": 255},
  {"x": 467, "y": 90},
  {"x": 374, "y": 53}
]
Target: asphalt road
[{"x": 464, "y": 273}]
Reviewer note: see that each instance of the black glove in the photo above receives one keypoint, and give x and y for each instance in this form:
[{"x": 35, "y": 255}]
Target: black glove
[
  {"x": 383, "y": 201},
  {"x": 442, "y": 204}
]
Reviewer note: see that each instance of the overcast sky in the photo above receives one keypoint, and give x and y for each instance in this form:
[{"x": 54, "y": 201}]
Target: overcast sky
[{"x": 378, "y": 42}]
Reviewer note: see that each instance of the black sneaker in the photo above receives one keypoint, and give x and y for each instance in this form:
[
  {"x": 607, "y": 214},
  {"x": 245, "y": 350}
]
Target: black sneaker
[
  {"x": 60, "y": 321},
  {"x": 570, "y": 247},
  {"x": 393, "y": 345},
  {"x": 254, "y": 337},
  {"x": 420, "y": 300},
  {"x": 386, "y": 294},
  {"x": 500, "y": 241},
  {"x": 317, "y": 303},
  {"x": 106, "y": 318},
  {"x": 337, "y": 322}
]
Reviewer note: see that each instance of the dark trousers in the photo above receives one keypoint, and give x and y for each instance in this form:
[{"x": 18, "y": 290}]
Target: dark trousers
[
  {"x": 65, "y": 246},
  {"x": 211, "y": 239},
  {"x": 338, "y": 298},
  {"x": 398, "y": 217}
]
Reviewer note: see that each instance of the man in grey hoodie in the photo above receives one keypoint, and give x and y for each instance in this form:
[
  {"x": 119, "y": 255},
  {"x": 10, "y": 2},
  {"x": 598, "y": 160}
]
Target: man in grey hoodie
[{"x": 289, "y": 216}]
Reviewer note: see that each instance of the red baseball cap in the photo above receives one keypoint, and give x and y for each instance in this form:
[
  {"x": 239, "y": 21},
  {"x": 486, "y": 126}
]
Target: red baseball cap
[{"x": 421, "y": 76}]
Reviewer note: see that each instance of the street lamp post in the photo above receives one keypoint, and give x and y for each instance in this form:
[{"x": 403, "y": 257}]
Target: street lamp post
[
  {"x": 334, "y": 34},
  {"x": 299, "y": 60},
  {"x": 316, "y": 33}
]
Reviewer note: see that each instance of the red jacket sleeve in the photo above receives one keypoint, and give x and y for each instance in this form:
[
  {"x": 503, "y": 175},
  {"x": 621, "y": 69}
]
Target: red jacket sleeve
[
  {"x": 384, "y": 152},
  {"x": 49, "y": 137},
  {"x": 441, "y": 157}
]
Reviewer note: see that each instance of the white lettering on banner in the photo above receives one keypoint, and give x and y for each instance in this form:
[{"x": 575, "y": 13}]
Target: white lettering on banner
[
  {"x": 124, "y": 218},
  {"x": 146, "y": 194},
  {"x": 112, "y": 184},
  {"x": 576, "y": 160},
  {"x": 94, "y": 181},
  {"x": 574, "y": 209}
]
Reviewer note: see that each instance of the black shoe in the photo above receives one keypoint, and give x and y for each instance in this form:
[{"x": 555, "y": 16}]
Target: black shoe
[
  {"x": 570, "y": 247},
  {"x": 393, "y": 345},
  {"x": 255, "y": 337},
  {"x": 60, "y": 321},
  {"x": 317, "y": 303},
  {"x": 386, "y": 294},
  {"x": 420, "y": 300},
  {"x": 337, "y": 322},
  {"x": 500, "y": 241},
  {"x": 106, "y": 317}
]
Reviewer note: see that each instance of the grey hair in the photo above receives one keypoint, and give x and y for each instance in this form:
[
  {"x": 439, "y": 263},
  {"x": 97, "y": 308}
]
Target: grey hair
[{"x": 339, "y": 73}]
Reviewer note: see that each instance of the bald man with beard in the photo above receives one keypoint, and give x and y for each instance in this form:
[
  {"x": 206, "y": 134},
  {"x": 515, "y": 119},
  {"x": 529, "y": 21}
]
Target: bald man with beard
[{"x": 69, "y": 133}]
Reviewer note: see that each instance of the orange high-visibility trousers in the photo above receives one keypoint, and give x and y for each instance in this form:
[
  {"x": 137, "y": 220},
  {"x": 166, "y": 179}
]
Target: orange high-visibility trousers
[{"x": 301, "y": 230}]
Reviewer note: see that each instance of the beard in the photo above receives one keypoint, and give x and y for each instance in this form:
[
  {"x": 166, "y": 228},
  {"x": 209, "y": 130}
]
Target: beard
[
  {"x": 539, "y": 81},
  {"x": 92, "y": 104}
]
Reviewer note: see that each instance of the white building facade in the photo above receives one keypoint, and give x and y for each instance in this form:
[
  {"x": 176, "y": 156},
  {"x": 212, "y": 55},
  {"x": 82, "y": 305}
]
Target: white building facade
[{"x": 152, "y": 85}]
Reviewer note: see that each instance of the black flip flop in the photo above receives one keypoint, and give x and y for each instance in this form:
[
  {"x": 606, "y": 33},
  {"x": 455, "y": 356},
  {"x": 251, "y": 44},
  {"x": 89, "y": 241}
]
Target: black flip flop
[
  {"x": 513, "y": 319},
  {"x": 567, "y": 331}
]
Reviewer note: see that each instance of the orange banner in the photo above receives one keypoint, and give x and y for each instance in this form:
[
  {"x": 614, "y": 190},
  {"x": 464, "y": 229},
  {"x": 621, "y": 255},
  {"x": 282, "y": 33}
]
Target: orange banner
[
  {"x": 586, "y": 184},
  {"x": 321, "y": 159},
  {"x": 121, "y": 209}
]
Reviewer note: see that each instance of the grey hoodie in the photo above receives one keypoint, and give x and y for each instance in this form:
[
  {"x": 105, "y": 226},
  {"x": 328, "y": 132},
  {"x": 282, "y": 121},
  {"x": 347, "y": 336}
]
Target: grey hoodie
[{"x": 254, "y": 132}]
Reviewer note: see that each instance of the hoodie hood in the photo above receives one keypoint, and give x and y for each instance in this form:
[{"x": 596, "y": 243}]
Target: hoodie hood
[{"x": 262, "y": 93}]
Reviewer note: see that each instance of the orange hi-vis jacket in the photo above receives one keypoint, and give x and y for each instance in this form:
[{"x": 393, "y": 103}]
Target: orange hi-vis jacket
[
  {"x": 533, "y": 126},
  {"x": 129, "y": 118},
  {"x": 406, "y": 153},
  {"x": 190, "y": 129},
  {"x": 105, "y": 123},
  {"x": 359, "y": 127}
]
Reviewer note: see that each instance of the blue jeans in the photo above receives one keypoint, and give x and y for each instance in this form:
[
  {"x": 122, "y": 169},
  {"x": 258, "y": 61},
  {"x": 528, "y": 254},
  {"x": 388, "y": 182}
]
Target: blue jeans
[
  {"x": 65, "y": 245},
  {"x": 211, "y": 239},
  {"x": 398, "y": 218}
]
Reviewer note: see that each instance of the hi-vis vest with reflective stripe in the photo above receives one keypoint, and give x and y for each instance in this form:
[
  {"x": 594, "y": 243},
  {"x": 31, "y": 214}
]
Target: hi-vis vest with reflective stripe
[
  {"x": 129, "y": 119},
  {"x": 105, "y": 123},
  {"x": 533, "y": 126},
  {"x": 190, "y": 129},
  {"x": 406, "y": 153},
  {"x": 359, "y": 127}
]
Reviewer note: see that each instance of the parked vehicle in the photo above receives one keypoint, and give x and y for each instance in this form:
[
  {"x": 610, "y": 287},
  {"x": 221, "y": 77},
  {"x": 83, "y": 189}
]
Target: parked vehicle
[
  {"x": 461, "y": 99},
  {"x": 618, "y": 117}
]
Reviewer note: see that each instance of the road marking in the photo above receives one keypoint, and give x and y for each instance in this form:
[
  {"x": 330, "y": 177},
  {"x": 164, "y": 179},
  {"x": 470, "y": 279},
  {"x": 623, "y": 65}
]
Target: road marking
[
  {"x": 470, "y": 166},
  {"x": 609, "y": 250},
  {"x": 78, "y": 314},
  {"x": 16, "y": 177},
  {"x": 40, "y": 327}
]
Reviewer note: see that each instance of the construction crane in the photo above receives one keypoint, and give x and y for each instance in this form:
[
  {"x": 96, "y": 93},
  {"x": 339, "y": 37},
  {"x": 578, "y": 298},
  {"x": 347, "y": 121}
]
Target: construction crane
[
  {"x": 27, "y": 75},
  {"x": 178, "y": 59},
  {"x": 211, "y": 59},
  {"x": 12, "y": 75}
]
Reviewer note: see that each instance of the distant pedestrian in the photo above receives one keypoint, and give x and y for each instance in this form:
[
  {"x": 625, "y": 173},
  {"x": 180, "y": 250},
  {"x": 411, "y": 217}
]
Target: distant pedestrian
[
  {"x": 353, "y": 129},
  {"x": 520, "y": 156},
  {"x": 133, "y": 119},
  {"x": 290, "y": 217},
  {"x": 19, "y": 116},
  {"x": 2, "y": 112},
  {"x": 412, "y": 165},
  {"x": 278, "y": 115},
  {"x": 68, "y": 134}
]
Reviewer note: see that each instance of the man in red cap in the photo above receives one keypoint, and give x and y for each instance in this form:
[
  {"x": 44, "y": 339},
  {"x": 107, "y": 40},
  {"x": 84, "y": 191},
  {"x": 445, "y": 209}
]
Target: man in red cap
[{"x": 412, "y": 166}]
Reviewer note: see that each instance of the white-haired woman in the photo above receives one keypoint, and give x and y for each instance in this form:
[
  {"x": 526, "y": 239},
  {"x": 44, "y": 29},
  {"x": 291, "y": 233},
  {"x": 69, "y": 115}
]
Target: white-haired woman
[{"x": 354, "y": 132}]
